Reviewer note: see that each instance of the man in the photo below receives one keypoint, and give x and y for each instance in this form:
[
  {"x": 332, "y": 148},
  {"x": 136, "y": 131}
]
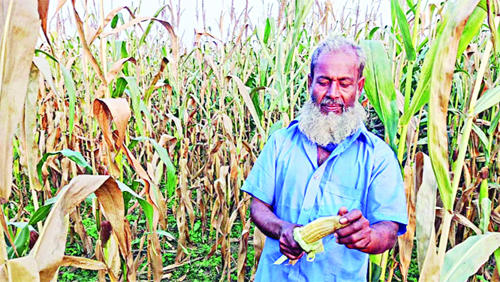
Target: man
[{"x": 327, "y": 163}]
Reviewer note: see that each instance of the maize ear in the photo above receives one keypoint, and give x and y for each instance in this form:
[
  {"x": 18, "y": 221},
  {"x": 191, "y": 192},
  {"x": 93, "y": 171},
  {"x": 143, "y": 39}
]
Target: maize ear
[
  {"x": 319, "y": 228},
  {"x": 310, "y": 236}
]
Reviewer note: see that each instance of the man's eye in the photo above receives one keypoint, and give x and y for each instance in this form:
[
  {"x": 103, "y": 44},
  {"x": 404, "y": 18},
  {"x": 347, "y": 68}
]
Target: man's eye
[
  {"x": 323, "y": 83},
  {"x": 345, "y": 85}
]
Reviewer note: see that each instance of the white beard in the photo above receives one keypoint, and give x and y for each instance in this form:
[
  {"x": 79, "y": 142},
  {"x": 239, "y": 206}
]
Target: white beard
[{"x": 324, "y": 129}]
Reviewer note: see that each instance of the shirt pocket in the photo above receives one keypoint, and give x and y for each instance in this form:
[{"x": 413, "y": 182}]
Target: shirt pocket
[{"x": 336, "y": 195}]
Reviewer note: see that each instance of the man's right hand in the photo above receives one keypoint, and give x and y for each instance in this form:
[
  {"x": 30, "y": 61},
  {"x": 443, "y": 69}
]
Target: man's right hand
[
  {"x": 288, "y": 246},
  {"x": 264, "y": 218}
]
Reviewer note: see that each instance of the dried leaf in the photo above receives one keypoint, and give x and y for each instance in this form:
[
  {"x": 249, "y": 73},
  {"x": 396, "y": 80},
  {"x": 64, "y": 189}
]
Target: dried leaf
[
  {"x": 242, "y": 252},
  {"x": 22, "y": 270},
  {"x": 29, "y": 129},
  {"x": 20, "y": 21},
  {"x": 440, "y": 86},
  {"x": 43, "y": 9},
  {"x": 248, "y": 102},
  {"x": 109, "y": 17},
  {"x": 426, "y": 197},
  {"x": 52, "y": 239},
  {"x": 83, "y": 263},
  {"x": 430, "y": 269},
  {"x": 109, "y": 110},
  {"x": 406, "y": 240},
  {"x": 112, "y": 256},
  {"x": 259, "y": 240},
  {"x": 154, "y": 253},
  {"x": 43, "y": 66},
  {"x": 117, "y": 66},
  {"x": 59, "y": 5},
  {"x": 85, "y": 46}
]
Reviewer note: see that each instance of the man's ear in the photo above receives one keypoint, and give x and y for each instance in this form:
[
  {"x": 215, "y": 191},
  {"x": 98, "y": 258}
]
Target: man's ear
[
  {"x": 309, "y": 81},
  {"x": 361, "y": 84}
]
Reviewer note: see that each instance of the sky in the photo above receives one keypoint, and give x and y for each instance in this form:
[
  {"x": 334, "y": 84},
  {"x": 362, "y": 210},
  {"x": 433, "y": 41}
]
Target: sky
[
  {"x": 259, "y": 10},
  {"x": 191, "y": 20}
]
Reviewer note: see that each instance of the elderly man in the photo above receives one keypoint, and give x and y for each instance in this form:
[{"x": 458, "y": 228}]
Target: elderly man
[{"x": 327, "y": 163}]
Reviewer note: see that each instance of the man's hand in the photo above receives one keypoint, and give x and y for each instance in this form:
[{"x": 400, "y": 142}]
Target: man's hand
[
  {"x": 288, "y": 246},
  {"x": 273, "y": 227},
  {"x": 361, "y": 236}
]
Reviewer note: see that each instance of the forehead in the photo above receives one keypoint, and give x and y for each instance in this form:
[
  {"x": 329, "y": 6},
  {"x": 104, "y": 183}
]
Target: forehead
[{"x": 337, "y": 64}]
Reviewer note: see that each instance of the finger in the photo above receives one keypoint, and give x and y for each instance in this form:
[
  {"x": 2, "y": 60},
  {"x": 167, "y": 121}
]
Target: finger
[
  {"x": 292, "y": 249},
  {"x": 290, "y": 243},
  {"x": 351, "y": 216},
  {"x": 355, "y": 237},
  {"x": 342, "y": 211},
  {"x": 360, "y": 245},
  {"x": 291, "y": 253},
  {"x": 352, "y": 228},
  {"x": 293, "y": 256}
]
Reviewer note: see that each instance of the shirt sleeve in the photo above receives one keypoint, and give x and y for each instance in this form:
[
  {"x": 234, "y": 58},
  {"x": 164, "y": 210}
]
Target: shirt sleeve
[
  {"x": 260, "y": 182},
  {"x": 386, "y": 195}
]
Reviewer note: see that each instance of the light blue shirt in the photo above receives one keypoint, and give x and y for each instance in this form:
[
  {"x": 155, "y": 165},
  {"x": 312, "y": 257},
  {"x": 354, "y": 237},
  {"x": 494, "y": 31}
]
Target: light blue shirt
[{"x": 361, "y": 173}]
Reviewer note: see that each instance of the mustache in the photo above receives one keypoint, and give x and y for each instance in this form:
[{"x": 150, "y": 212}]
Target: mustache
[{"x": 331, "y": 102}]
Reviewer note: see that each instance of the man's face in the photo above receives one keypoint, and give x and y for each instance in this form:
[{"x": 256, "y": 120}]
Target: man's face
[{"x": 336, "y": 83}]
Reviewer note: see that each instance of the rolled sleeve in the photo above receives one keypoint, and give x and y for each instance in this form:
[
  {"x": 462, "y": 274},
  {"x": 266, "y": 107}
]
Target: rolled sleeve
[
  {"x": 386, "y": 195},
  {"x": 260, "y": 182}
]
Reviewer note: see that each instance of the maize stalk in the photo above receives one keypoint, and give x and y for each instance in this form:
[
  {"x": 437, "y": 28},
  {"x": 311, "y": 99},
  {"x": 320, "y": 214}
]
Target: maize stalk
[{"x": 310, "y": 236}]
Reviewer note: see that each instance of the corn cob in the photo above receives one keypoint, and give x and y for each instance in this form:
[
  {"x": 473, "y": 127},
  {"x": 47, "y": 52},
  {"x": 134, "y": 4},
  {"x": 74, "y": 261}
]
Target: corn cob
[
  {"x": 310, "y": 236},
  {"x": 319, "y": 228}
]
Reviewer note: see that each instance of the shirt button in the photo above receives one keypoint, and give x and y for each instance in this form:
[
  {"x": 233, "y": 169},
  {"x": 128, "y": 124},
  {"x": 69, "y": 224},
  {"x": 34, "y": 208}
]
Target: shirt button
[
  {"x": 306, "y": 208},
  {"x": 316, "y": 177}
]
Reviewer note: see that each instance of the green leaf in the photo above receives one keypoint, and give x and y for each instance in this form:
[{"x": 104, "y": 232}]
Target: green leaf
[
  {"x": 405, "y": 30},
  {"x": 165, "y": 158},
  {"x": 114, "y": 22},
  {"x": 39, "y": 51},
  {"x": 255, "y": 99},
  {"x": 267, "y": 30},
  {"x": 150, "y": 25},
  {"x": 471, "y": 29},
  {"x": 146, "y": 207},
  {"x": 171, "y": 171},
  {"x": 40, "y": 214},
  {"x": 494, "y": 124},
  {"x": 121, "y": 84},
  {"x": 166, "y": 234},
  {"x": 372, "y": 32},
  {"x": 465, "y": 259},
  {"x": 135, "y": 97},
  {"x": 489, "y": 99},
  {"x": 452, "y": 19},
  {"x": 72, "y": 155},
  {"x": 21, "y": 242},
  {"x": 422, "y": 94},
  {"x": 481, "y": 136},
  {"x": 379, "y": 87}
]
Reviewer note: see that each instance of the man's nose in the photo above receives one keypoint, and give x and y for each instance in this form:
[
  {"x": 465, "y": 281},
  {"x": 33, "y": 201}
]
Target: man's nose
[{"x": 333, "y": 92}]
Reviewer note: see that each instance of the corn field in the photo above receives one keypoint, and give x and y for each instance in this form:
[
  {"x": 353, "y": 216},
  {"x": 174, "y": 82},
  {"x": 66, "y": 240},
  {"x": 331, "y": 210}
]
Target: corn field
[{"x": 122, "y": 151}]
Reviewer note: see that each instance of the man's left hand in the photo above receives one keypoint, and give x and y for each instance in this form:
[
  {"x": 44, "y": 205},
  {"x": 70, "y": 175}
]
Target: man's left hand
[
  {"x": 356, "y": 235},
  {"x": 359, "y": 235}
]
